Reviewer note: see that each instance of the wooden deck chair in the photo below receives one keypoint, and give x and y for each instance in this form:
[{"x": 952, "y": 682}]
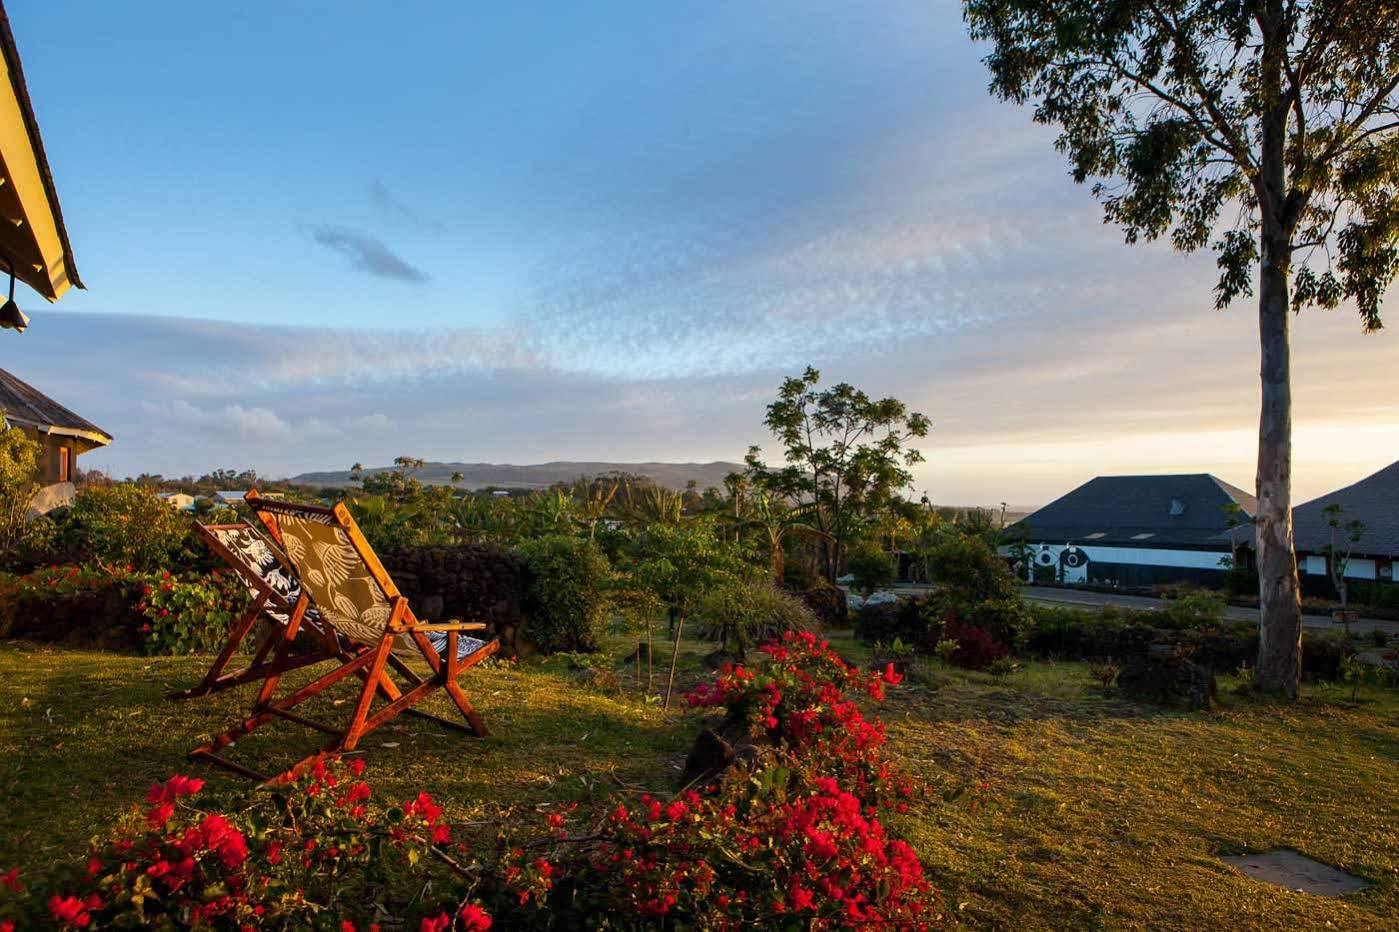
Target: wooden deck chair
[
  {"x": 275, "y": 589},
  {"x": 357, "y": 599}
]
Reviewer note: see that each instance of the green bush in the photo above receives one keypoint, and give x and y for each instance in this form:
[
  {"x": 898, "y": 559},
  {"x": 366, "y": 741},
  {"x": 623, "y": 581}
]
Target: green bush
[
  {"x": 1008, "y": 620},
  {"x": 917, "y": 622},
  {"x": 1123, "y": 634},
  {"x": 19, "y": 463},
  {"x": 1198, "y": 609},
  {"x": 741, "y": 614},
  {"x": 566, "y": 593},
  {"x": 971, "y": 571},
  {"x": 871, "y": 566},
  {"x": 124, "y": 524},
  {"x": 189, "y": 617}
]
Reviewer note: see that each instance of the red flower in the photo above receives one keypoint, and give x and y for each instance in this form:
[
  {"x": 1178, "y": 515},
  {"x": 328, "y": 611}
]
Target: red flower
[
  {"x": 435, "y": 924},
  {"x": 71, "y": 911},
  {"x": 10, "y": 880},
  {"x": 474, "y": 918},
  {"x": 892, "y": 676}
]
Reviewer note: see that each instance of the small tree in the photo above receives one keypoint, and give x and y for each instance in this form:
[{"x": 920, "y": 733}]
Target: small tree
[
  {"x": 846, "y": 454},
  {"x": 679, "y": 564},
  {"x": 871, "y": 566},
  {"x": 19, "y": 469},
  {"x": 1344, "y": 536}
]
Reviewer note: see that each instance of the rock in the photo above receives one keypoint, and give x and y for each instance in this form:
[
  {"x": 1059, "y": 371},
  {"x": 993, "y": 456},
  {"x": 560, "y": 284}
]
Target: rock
[
  {"x": 709, "y": 756},
  {"x": 431, "y": 606}
]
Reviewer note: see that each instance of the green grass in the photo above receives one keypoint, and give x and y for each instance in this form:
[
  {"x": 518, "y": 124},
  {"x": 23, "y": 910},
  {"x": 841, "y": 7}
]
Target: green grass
[{"x": 1049, "y": 805}]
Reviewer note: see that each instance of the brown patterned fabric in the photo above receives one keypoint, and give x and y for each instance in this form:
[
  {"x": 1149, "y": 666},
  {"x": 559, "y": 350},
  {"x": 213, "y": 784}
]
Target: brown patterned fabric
[
  {"x": 259, "y": 558},
  {"x": 330, "y": 568}
]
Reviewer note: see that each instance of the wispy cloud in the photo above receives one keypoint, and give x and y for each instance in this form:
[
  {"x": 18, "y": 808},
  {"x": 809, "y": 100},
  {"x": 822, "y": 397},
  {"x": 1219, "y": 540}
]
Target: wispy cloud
[
  {"x": 368, "y": 253},
  {"x": 392, "y": 206}
]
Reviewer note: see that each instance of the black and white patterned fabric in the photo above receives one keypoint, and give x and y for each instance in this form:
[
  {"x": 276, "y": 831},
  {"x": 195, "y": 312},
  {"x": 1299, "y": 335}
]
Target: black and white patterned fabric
[
  {"x": 261, "y": 559},
  {"x": 466, "y": 646}
]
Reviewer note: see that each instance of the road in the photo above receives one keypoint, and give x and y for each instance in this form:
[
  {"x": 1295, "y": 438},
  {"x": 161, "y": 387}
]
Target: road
[{"x": 1081, "y": 598}]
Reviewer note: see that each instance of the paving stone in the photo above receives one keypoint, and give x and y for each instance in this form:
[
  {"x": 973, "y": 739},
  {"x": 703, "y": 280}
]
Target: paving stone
[{"x": 1288, "y": 868}]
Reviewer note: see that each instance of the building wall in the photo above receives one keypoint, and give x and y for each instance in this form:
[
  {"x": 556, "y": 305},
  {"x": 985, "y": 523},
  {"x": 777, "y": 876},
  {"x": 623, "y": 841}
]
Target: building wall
[
  {"x": 50, "y": 457},
  {"x": 1356, "y": 568},
  {"x": 1133, "y": 566}
]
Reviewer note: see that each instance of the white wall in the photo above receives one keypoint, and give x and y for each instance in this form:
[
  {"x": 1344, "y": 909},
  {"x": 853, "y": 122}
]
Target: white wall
[
  {"x": 1137, "y": 556},
  {"x": 1355, "y": 569}
]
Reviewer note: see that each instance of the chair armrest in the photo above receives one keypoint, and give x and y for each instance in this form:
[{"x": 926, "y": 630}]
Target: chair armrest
[{"x": 450, "y": 626}]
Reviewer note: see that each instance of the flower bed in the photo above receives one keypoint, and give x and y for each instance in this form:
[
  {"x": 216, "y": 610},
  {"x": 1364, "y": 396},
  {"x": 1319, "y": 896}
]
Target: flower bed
[{"x": 794, "y": 837}]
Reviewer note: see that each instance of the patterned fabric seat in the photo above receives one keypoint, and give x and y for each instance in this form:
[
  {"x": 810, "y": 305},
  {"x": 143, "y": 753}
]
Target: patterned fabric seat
[{"x": 262, "y": 559}]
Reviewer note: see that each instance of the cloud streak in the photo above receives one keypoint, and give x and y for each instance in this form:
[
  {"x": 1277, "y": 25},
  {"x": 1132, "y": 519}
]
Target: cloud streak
[{"x": 368, "y": 254}]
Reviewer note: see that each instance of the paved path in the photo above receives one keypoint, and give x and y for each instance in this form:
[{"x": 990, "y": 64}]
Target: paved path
[{"x": 1083, "y": 598}]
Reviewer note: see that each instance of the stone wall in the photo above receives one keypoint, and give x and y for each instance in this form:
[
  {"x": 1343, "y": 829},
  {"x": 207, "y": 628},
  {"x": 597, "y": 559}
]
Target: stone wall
[{"x": 471, "y": 582}]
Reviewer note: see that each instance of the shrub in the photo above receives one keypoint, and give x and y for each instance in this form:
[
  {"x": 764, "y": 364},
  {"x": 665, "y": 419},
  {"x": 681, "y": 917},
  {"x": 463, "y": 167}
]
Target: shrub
[
  {"x": 565, "y": 593},
  {"x": 741, "y": 614},
  {"x": 971, "y": 571},
  {"x": 977, "y": 648},
  {"x": 917, "y": 622},
  {"x": 124, "y": 524},
  {"x": 19, "y": 464},
  {"x": 189, "y": 617},
  {"x": 1008, "y": 620},
  {"x": 1197, "y": 609},
  {"x": 120, "y": 609},
  {"x": 829, "y": 604},
  {"x": 871, "y": 566}
]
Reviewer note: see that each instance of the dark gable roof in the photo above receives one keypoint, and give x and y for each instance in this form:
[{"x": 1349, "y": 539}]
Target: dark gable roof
[
  {"x": 25, "y": 404},
  {"x": 1119, "y": 509},
  {"x": 1373, "y": 500}
]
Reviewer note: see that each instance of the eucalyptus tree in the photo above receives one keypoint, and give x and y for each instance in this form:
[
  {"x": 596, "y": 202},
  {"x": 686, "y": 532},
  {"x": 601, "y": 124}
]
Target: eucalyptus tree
[
  {"x": 846, "y": 455},
  {"x": 1263, "y": 129}
]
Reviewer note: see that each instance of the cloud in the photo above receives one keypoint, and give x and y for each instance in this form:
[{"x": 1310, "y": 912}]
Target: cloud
[
  {"x": 382, "y": 198},
  {"x": 367, "y": 253}
]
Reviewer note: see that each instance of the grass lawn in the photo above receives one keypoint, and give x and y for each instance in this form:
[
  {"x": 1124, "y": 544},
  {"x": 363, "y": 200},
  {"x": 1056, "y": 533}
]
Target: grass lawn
[{"x": 1067, "y": 808}]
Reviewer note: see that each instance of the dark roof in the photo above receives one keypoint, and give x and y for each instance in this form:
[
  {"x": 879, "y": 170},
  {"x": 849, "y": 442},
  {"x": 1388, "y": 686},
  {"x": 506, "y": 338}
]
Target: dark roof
[
  {"x": 10, "y": 51},
  {"x": 1142, "y": 511},
  {"x": 24, "y": 404},
  {"x": 1373, "y": 500}
]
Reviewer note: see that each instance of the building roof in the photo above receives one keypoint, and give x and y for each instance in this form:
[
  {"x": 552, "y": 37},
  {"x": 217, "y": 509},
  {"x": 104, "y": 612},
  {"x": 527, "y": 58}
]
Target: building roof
[
  {"x": 1142, "y": 511},
  {"x": 26, "y": 406},
  {"x": 1374, "y": 501},
  {"x": 35, "y": 239}
]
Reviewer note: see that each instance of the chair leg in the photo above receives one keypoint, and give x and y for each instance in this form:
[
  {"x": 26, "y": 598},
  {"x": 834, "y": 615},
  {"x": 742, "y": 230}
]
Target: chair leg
[
  {"x": 236, "y": 633},
  {"x": 372, "y": 686}
]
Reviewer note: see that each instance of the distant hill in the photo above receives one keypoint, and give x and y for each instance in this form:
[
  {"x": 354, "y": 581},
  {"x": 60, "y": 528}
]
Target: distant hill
[{"x": 542, "y": 475}]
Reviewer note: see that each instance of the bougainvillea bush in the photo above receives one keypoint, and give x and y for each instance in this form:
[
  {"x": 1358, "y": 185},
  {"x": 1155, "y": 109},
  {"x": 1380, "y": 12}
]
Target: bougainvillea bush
[
  {"x": 117, "y": 606},
  {"x": 792, "y": 838}
]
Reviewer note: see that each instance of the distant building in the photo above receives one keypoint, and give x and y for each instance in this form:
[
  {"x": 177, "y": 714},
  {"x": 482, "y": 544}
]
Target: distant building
[
  {"x": 229, "y": 498},
  {"x": 1374, "y": 501},
  {"x": 178, "y": 500},
  {"x": 1137, "y": 531},
  {"x": 62, "y": 435}
]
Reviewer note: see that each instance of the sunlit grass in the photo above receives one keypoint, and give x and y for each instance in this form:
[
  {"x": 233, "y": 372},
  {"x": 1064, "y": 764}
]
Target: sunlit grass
[{"x": 1050, "y": 804}]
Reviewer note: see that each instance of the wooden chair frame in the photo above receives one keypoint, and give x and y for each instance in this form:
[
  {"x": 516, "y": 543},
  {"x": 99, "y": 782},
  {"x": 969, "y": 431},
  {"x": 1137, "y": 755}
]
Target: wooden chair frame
[{"x": 370, "y": 662}]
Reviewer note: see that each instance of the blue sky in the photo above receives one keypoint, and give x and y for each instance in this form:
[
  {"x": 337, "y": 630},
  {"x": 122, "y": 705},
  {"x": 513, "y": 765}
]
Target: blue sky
[{"x": 319, "y": 233}]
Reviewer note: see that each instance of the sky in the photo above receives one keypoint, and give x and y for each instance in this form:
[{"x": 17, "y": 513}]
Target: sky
[{"x": 315, "y": 234}]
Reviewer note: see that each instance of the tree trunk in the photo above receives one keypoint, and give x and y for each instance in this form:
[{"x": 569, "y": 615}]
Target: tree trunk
[
  {"x": 674, "y": 653},
  {"x": 779, "y": 562},
  {"x": 1279, "y": 667}
]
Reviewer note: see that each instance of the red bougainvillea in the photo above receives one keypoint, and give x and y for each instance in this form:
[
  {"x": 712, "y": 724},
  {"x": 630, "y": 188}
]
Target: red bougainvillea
[{"x": 793, "y": 838}]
